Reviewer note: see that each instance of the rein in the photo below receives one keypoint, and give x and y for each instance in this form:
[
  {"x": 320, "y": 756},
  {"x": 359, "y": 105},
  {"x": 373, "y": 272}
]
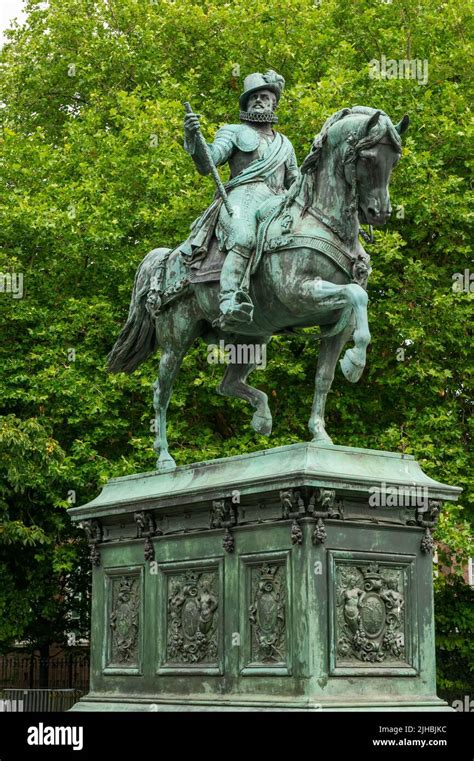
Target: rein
[
  {"x": 350, "y": 158},
  {"x": 354, "y": 144}
]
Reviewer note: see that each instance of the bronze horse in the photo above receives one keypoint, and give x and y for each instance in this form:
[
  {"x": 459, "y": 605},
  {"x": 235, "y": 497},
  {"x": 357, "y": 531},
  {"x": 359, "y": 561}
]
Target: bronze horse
[{"x": 309, "y": 269}]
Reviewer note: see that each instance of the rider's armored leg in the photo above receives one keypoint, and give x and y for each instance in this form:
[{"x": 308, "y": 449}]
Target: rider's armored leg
[{"x": 235, "y": 303}]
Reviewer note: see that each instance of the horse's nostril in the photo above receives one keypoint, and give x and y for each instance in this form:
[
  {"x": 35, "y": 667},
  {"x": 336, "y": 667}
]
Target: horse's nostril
[{"x": 372, "y": 211}]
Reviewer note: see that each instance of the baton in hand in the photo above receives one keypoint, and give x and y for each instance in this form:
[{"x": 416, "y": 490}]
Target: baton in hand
[{"x": 213, "y": 168}]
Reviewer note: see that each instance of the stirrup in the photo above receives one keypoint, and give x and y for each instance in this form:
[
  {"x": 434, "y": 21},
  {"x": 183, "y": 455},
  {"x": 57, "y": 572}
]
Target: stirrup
[{"x": 238, "y": 312}]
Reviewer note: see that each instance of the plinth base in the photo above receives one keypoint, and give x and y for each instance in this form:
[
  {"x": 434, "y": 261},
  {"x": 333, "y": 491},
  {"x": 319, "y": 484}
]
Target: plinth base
[
  {"x": 282, "y": 580},
  {"x": 192, "y": 703}
]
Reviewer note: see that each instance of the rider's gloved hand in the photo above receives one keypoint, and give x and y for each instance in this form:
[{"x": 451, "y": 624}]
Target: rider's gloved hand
[{"x": 191, "y": 123}]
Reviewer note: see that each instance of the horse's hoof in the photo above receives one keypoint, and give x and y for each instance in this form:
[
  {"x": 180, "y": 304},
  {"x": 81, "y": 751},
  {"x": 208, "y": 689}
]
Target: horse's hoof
[
  {"x": 351, "y": 370},
  {"x": 262, "y": 424},
  {"x": 165, "y": 462},
  {"x": 322, "y": 438}
]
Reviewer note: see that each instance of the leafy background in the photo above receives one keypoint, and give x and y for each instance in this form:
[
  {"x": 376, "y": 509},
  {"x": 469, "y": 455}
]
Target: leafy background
[{"x": 94, "y": 176}]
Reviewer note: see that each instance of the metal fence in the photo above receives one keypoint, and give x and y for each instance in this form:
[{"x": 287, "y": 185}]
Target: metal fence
[
  {"x": 30, "y": 701},
  {"x": 34, "y": 672}
]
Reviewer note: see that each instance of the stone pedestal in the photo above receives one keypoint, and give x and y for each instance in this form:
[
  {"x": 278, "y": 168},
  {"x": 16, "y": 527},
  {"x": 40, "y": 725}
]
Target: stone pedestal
[{"x": 297, "y": 578}]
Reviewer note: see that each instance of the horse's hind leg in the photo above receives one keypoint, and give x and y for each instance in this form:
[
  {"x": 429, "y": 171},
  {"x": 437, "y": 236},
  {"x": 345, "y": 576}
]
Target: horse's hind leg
[
  {"x": 170, "y": 363},
  {"x": 233, "y": 384},
  {"x": 172, "y": 355},
  {"x": 327, "y": 359}
]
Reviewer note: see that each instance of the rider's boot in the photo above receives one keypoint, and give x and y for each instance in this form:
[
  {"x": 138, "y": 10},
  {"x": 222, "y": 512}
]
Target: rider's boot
[{"x": 235, "y": 304}]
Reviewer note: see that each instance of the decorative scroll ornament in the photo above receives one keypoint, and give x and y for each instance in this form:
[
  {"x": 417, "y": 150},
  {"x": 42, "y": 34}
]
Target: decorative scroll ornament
[
  {"x": 319, "y": 534},
  {"x": 147, "y": 529},
  {"x": 267, "y": 614},
  {"x": 280, "y": 242},
  {"x": 292, "y": 506},
  {"x": 93, "y": 530},
  {"x": 427, "y": 543},
  {"x": 158, "y": 296},
  {"x": 427, "y": 519},
  {"x": 154, "y": 298},
  {"x": 296, "y": 533},
  {"x": 286, "y": 223},
  {"x": 192, "y": 618},
  {"x": 323, "y": 505},
  {"x": 218, "y": 513},
  {"x": 124, "y": 621},
  {"x": 370, "y": 614},
  {"x": 229, "y": 541},
  {"x": 224, "y": 515}
]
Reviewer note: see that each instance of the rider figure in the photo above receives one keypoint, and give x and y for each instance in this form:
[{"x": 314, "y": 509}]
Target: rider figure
[{"x": 262, "y": 164}]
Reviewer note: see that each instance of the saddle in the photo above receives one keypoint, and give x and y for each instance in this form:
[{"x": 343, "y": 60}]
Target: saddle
[
  {"x": 208, "y": 269},
  {"x": 277, "y": 230}
]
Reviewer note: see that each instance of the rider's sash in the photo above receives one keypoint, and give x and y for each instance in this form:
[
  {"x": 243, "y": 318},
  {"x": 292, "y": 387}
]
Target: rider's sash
[{"x": 276, "y": 154}]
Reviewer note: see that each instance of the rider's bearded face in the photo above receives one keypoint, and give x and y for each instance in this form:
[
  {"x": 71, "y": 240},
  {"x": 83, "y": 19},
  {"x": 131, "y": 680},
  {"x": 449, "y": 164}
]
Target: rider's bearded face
[{"x": 262, "y": 100}]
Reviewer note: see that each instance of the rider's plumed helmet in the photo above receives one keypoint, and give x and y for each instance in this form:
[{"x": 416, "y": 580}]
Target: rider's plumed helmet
[{"x": 268, "y": 81}]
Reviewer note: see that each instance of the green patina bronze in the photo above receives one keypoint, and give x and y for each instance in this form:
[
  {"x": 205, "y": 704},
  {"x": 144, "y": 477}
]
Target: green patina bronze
[
  {"x": 265, "y": 581},
  {"x": 298, "y": 578},
  {"x": 277, "y": 250}
]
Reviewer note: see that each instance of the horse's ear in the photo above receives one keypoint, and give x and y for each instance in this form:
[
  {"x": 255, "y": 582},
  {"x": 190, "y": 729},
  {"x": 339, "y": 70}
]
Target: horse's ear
[
  {"x": 372, "y": 121},
  {"x": 402, "y": 126}
]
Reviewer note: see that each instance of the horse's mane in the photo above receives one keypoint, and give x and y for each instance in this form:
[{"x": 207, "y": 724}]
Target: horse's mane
[{"x": 310, "y": 165}]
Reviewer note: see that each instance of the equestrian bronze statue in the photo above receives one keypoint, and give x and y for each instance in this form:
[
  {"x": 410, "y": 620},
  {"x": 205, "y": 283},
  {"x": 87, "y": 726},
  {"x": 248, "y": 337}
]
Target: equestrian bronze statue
[{"x": 277, "y": 249}]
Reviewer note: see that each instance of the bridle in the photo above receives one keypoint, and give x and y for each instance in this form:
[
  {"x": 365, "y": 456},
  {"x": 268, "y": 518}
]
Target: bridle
[{"x": 354, "y": 144}]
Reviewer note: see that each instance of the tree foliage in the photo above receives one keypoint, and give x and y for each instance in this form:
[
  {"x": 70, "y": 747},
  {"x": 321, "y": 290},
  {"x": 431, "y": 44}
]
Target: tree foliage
[{"x": 94, "y": 176}]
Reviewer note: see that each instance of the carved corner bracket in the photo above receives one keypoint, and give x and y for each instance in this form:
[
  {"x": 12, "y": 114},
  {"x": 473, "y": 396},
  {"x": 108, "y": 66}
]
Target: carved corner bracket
[
  {"x": 322, "y": 504},
  {"x": 146, "y": 526},
  {"x": 224, "y": 515},
  {"x": 94, "y": 534},
  {"x": 427, "y": 519},
  {"x": 292, "y": 506}
]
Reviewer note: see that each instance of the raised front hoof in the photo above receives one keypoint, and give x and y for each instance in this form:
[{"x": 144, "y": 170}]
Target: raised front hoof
[
  {"x": 351, "y": 370},
  {"x": 165, "y": 462},
  {"x": 262, "y": 424}
]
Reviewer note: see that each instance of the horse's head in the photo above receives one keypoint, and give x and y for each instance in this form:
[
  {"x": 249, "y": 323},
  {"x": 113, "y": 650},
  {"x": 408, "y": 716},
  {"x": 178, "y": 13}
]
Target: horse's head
[
  {"x": 371, "y": 148},
  {"x": 358, "y": 146}
]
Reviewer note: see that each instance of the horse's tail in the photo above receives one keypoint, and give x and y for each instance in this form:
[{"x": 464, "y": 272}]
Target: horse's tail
[{"x": 137, "y": 340}]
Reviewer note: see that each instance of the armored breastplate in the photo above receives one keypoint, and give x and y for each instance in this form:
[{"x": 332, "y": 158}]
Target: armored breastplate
[
  {"x": 242, "y": 156},
  {"x": 240, "y": 161}
]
